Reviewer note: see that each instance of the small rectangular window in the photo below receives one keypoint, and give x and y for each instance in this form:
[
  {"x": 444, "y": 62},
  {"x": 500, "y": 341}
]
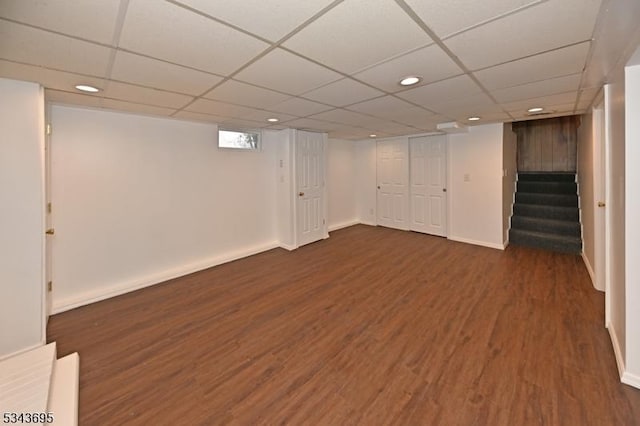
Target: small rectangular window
[{"x": 238, "y": 139}]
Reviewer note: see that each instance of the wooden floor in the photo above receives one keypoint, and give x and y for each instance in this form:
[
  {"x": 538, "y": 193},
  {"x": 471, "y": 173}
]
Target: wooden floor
[{"x": 372, "y": 326}]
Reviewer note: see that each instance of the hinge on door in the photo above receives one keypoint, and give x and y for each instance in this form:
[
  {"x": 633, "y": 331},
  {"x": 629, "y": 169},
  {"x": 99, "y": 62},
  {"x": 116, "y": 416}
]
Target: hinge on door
[
  {"x": 323, "y": 221},
  {"x": 50, "y": 286},
  {"x": 48, "y": 207},
  {"x": 48, "y": 129}
]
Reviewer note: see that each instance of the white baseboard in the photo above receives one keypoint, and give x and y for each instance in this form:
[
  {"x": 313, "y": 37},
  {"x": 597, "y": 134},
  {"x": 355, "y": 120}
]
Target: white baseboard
[
  {"x": 368, "y": 223},
  {"x": 21, "y": 351},
  {"x": 476, "y": 242},
  {"x": 592, "y": 274},
  {"x": 126, "y": 287},
  {"x": 631, "y": 380},
  {"x": 616, "y": 349},
  {"x": 348, "y": 223}
]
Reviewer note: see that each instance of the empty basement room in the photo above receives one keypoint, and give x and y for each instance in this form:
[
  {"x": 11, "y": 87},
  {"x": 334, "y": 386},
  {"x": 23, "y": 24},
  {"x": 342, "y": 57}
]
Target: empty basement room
[{"x": 412, "y": 212}]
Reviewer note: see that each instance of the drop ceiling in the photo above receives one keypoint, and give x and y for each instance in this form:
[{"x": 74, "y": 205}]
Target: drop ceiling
[{"x": 330, "y": 66}]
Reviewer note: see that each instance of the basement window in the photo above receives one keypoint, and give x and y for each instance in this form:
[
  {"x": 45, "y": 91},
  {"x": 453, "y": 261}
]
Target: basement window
[{"x": 237, "y": 139}]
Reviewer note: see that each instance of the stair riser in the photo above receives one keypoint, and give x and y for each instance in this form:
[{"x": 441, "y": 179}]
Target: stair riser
[
  {"x": 542, "y": 243},
  {"x": 547, "y": 177},
  {"x": 547, "y": 199},
  {"x": 571, "y": 229},
  {"x": 548, "y": 187},
  {"x": 546, "y": 212}
]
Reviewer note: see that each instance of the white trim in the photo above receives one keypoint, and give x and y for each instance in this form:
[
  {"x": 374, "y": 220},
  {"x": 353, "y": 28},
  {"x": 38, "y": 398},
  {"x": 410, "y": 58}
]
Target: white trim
[
  {"x": 289, "y": 247},
  {"x": 630, "y": 379},
  {"x": 477, "y": 243},
  {"x": 616, "y": 350},
  {"x": 136, "y": 284},
  {"x": 346, "y": 224},
  {"x": 592, "y": 274},
  {"x": 367, "y": 222}
]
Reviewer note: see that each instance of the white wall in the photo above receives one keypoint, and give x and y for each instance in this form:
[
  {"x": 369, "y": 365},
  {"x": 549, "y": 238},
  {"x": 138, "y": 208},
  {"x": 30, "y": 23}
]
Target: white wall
[
  {"x": 342, "y": 183},
  {"x": 509, "y": 175},
  {"x": 21, "y": 216},
  {"x": 366, "y": 167},
  {"x": 476, "y": 186},
  {"x": 632, "y": 220},
  {"x": 615, "y": 127},
  {"x": 138, "y": 200},
  {"x": 586, "y": 186}
]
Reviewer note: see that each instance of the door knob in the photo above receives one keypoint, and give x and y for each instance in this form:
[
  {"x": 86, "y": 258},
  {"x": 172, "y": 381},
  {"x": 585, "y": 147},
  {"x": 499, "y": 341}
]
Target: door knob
[
  {"x": 50, "y": 231},
  {"x": 601, "y": 204},
  {"x": 378, "y": 186},
  {"x": 444, "y": 189},
  {"x": 301, "y": 194}
]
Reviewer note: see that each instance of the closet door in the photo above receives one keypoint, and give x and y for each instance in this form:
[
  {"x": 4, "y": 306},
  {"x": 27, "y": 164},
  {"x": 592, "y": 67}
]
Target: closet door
[
  {"x": 310, "y": 221},
  {"x": 393, "y": 183},
  {"x": 428, "y": 185}
]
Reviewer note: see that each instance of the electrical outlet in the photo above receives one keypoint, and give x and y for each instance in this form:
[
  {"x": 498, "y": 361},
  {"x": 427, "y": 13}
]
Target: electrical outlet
[
  {"x": 371, "y": 212},
  {"x": 467, "y": 177}
]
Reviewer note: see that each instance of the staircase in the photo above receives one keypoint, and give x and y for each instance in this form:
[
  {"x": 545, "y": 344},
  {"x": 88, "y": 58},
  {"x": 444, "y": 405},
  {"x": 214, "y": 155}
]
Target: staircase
[{"x": 545, "y": 213}]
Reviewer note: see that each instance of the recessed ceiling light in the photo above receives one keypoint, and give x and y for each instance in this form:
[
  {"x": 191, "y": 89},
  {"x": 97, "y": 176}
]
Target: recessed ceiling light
[
  {"x": 473, "y": 118},
  {"x": 273, "y": 120},
  {"x": 373, "y": 135},
  {"x": 410, "y": 81},
  {"x": 87, "y": 88},
  {"x": 536, "y": 109}
]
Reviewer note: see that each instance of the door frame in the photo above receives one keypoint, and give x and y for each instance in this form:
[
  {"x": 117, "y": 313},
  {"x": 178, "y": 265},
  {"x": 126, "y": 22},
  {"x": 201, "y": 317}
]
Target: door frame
[
  {"x": 600, "y": 194},
  {"x": 606, "y": 95}
]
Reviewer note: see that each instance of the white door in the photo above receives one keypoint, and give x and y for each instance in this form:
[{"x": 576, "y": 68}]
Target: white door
[
  {"x": 428, "y": 185},
  {"x": 48, "y": 249},
  {"x": 393, "y": 183},
  {"x": 310, "y": 221},
  {"x": 599, "y": 177}
]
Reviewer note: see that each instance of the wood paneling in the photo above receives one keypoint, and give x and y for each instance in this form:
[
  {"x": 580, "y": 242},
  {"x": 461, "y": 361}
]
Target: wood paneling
[
  {"x": 548, "y": 145},
  {"x": 372, "y": 326}
]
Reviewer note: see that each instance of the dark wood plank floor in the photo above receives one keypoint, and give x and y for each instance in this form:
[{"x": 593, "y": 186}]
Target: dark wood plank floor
[{"x": 372, "y": 326}]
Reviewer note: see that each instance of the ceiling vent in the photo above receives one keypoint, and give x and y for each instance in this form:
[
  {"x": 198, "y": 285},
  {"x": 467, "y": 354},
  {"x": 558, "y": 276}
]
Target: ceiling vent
[{"x": 452, "y": 127}]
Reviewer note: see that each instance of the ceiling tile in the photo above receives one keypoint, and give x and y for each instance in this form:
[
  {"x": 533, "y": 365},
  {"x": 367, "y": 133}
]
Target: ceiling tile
[
  {"x": 349, "y": 37},
  {"x": 48, "y": 78},
  {"x": 285, "y": 72},
  {"x": 197, "y": 116},
  {"x": 144, "y": 95},
  {"x": 37, "y": 47},
  {"x": 616, "y": 28},
  {"x": 312, "y": 124},
  {"x": 222, "y": 109},
  {"x": 89, "y": 19},
  {"x": 469, "y": 105},
  {"x": 431, "y": 63},
  {"x": 300, "y": 107},
  {"x": 545, "y": 101},
  {"x": 547, "y": 26},
  {"x": 390, "y": 107},
  {"x": 538, "y": 88},
  {"x": 446, "y": 17},
  {"x": 61, "y": 97},
  {"x": 342, "y": 92},
  {"x": 442, "y": 91},
  {"x": 561, "y": 62},
  {"x": 237, "y": 124},
  {"x": 346, "y": 117},
  {"x": 236, "y": 92},
  {"x": 262, "y": 116},
  {"x": 166, "y": 31},
  {"x": 137, "y": 108},
  {"x": 162, "y": 75},
  {"x": 271, "y": 20}
]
